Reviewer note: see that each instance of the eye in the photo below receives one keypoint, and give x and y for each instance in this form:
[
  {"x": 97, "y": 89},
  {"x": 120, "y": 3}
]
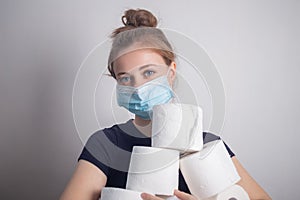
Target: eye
[
  {"x": 148, "y": 73},
  {"x": 124, "y": 79}
]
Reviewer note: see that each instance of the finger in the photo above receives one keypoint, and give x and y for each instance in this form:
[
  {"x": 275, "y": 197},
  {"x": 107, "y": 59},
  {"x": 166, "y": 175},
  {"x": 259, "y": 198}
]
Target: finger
[
  {"x": 183, "y": 195},
  {"x": 146, "y": 196}
]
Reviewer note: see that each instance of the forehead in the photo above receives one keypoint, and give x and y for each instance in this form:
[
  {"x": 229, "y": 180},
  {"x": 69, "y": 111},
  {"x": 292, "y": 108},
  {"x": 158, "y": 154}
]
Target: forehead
[{"x": 137, "y": 58}]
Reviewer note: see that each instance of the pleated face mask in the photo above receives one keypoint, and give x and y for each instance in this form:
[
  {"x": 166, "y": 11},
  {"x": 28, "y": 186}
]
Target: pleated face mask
[{"x": 140, "y": 100}]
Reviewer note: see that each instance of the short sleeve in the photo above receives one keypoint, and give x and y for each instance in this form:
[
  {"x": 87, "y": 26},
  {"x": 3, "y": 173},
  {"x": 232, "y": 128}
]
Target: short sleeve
[
  {"x": 208, "y": 137},
  {"x": 96, "y": 152},
  {"x": 86, "y": 155},
  {"x": 229, "y": 150}
]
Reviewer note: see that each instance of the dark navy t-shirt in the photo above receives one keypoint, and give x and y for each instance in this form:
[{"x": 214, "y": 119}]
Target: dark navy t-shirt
[{"x": 110, "y": 150}]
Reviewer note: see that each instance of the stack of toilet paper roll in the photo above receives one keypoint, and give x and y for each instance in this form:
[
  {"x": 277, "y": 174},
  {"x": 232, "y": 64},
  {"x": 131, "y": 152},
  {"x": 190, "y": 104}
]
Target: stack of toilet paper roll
[{"x": 177, "y": 142}]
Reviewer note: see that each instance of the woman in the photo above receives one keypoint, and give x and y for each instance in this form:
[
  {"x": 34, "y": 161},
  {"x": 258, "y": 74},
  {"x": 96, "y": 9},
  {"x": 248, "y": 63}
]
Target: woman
[{"x": 141, "y": 58}]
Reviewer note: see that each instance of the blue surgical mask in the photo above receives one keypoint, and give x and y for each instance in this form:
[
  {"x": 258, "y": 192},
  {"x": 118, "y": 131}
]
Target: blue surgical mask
[{"x": 140, "y": 100}]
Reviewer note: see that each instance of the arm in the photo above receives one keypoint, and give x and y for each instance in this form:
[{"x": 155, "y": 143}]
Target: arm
[
  {"x": 86, "y": 183},
  {"x": 248, "y": 183}
]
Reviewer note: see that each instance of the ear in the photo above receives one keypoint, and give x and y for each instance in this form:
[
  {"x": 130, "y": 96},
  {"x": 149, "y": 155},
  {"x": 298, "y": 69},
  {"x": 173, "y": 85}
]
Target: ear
[{"x": 172, "y": 73}]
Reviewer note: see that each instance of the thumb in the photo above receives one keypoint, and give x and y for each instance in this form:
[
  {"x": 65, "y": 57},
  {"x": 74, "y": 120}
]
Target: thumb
[{"x": 183, "y": 195}]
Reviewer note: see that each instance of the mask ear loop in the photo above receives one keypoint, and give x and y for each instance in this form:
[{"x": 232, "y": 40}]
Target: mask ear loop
[
  {"x": 167, "y": 75},
  {"x": 175, "y": 98},
  {"x": 168, "y": 71}
]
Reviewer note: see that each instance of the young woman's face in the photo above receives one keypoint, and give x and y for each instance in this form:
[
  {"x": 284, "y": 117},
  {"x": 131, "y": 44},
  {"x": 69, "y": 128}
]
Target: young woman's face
[{"x": 138, "y": 67}]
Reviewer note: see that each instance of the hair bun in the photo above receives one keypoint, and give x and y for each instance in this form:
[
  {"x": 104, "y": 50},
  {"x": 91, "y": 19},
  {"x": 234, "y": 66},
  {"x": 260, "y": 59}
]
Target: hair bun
[{"x": 139, "y": 17}]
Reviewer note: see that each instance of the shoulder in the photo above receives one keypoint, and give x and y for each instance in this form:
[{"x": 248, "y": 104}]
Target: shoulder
[
  {"x": 105, "y": 136},
  {"x": 122, "y": 135},
  {"x": 112, "y": 133}
]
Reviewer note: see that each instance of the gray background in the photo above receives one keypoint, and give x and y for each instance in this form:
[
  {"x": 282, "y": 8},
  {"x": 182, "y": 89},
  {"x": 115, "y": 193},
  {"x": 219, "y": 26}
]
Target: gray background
[{"x": 254, "y": 44}]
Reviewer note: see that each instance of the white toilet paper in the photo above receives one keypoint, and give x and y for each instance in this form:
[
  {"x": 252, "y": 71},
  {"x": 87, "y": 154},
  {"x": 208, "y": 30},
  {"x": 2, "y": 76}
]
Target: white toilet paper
[
  {"x": 209, "y": 171},
  {"x": 177, "y": 126},
  {"x": 234, "y": 192},
  {"x": 153, "y": 170},
  {"x": 110, "y": 193}
]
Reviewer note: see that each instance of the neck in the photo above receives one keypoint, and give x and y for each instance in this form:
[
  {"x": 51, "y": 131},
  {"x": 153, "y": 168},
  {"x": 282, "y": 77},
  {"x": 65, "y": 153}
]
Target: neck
[{"x": 143, "y": 125}]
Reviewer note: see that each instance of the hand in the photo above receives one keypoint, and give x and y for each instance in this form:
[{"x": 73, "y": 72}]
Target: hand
[
  {"x": 146, "y": 196},
  {"x": 180, "y": 195},
  {"x": 183, "y": 196}
]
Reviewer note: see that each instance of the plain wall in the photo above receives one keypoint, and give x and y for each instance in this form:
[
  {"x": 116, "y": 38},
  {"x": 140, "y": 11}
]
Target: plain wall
[{"x": 254, "y": 44}]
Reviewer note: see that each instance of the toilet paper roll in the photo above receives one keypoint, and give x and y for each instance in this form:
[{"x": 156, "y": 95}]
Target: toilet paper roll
[
  {"x": 234, "y": 192},
  {"x": 209, "y": 171},
  {"x": 110, "y": 193},
  {"x": 153, "y": 170},
  {"x": 177, "y": 126}
]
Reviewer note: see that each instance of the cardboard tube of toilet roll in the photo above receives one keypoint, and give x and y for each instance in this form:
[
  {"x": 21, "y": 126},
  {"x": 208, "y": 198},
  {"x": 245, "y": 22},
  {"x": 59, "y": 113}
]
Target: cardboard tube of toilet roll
[
  {"x": 234, "y": 192},
  {"x": 177, "y": 126},
  {"x": 209, "y": 171},
  {"x": 110, "y": 193},
  {"x": 153, "y": 170}
]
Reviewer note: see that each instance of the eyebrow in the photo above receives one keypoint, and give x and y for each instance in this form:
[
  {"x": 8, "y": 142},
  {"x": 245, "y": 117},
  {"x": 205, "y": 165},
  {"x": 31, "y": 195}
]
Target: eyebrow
[{"x": 141, "y": 68}]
